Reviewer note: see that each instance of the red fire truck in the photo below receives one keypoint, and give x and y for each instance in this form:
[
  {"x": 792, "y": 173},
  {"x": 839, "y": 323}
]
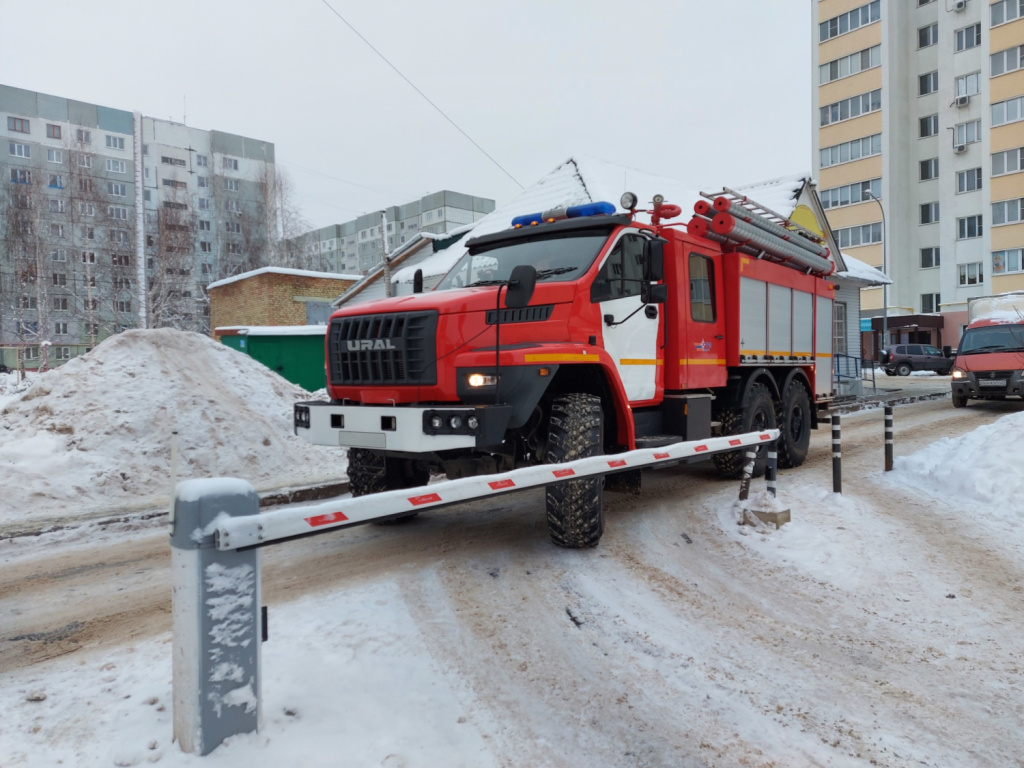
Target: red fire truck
[{"x": 583, "y": 331}]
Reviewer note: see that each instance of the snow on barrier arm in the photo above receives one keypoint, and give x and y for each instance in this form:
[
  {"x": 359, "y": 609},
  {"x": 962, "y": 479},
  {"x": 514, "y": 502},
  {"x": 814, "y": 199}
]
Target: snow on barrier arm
[{"x": 236, "y": 533}]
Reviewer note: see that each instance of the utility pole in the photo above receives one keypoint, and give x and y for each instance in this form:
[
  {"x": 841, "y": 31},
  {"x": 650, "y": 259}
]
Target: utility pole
[
  {"x": 384, "y": 244},
  {"x": 885, "y": 286}
]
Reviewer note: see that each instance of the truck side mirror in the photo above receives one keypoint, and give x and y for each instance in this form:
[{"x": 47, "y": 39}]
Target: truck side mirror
[
  {"x": 654, "y": 260},
  {"x": 417, "y": 281},
  {"x": 520, "y": 286},
  {"x": 653, "y": 294}
]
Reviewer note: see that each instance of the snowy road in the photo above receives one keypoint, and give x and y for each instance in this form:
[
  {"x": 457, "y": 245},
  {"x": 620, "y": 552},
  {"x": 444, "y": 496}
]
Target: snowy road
[{"x": 681, "y": 640}]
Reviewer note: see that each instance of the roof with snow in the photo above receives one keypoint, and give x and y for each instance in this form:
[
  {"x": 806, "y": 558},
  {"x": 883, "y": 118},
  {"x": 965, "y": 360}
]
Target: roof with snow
[
  {"x": 283, "y": 271},
  {"x": 408, "y": 255},
  {"x": 584, "y": 179},
  {"x": 271, "y": 330},
  {"x": 860, "y": 272}
]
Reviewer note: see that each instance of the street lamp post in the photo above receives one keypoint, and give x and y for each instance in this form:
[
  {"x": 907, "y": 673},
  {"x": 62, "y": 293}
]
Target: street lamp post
[{"x": 885, "y": 270}]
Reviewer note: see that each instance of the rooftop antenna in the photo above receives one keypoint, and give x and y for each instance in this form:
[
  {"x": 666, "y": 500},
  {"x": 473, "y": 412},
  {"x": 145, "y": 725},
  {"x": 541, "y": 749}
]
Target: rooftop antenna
[{"x": 184, "y": 110}]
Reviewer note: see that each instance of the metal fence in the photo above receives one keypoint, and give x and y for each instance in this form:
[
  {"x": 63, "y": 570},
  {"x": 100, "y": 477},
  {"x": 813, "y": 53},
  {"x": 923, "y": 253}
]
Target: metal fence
[{"x": 848, "y": 368}]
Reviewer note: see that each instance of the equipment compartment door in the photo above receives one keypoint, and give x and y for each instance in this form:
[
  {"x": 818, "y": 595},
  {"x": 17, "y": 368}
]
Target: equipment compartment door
[{"x": 629, "y": 327}]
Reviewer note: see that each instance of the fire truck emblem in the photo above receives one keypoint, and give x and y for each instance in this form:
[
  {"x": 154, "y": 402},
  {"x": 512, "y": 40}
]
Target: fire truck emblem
[{"x": 702, "y": 346}]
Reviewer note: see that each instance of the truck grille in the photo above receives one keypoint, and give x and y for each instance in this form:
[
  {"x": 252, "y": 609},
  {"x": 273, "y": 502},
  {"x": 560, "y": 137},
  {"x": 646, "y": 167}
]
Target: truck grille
[{"x": 392, "y": 348}]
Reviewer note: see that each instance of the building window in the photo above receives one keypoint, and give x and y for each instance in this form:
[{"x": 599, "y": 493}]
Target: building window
[
  {"x": 968, "y": 227},
  {"x": 84, "y": 161},
  {"x": 850, "y": 65},
  {"x": 927, "y": 36},
  {"x": 202, "y": 161},
  {"x": 1009, "y": 161},
  {"x": 83, "y": 136},
  {"x": 31, "y": 353},
  {"x": 116, "y": 189},
  {"x": 85, "y": 185},
  {"x": 232, "y": 206},
  {"x": 203, "y": 181},
  {"x": 27, "y": 302},
  {"x": 52, "y": 131},
  {"x": 18, "y": 125},
  {"x": 56, "y": 230},
  {"x": 839, "y": 327},
  {"x": 116, "y": 166},
  {"x": 924, "y": 2},
  {"x": 970, "y": 274},
  {"x": 147, "y": 195},
  {"x": 968, "y": 181},
  {"x": 86, "y": 209},
  {"x": 62, "y": 353},
  {"x": 115, "y": 142},
  {"x": 119, "y": 236},
  {"x": 90, "y": 233},
  {"x": 968, "y": 85},
  {"x": 19, "y": 150},
  {"x": 1006, "y": 10},
  {"x": 175, "y": 184},
  {"x": 60, "y": 278},
  {"x": 928, "y": 83},
  {"x": 968, "y": 133},
  {"x": 930, "y": 302},
  {"x": 204, "y": 203},
  {"x": 1008, "y": 261},
  {"x": 865, "y": 234},
  {"x": 968, "y": 37},
  {"x": 205, "y": 269},
  {"x": 230, "y": 164},
  {"x": 928, "y": 126},
  {"x": 231, "y": 185},
  {"x": 21, "y": 176},
  {"x": 929, "y": 169},
  {"x": 88, "y": 257},
  {"x": 58, "y": 254},
  {"x": 124, "y": 306},
  {"x": 56, "y": 181},
  {"x": 234, "y": 248},
  {"x": 204, "y": 225},
  {"x": 1007, "y": 61},
  {"x": 117, "y": 212},
  {"x": 60, "y": 329},
  {"x": 1008, "y": 211},
  {"x": 54, "y": 156},
  {"x": 55, "y": 205},
  {"x": 849, "y": 21},
  {"x": 850, "y": 194},
  {"x": 233, "y": 227},
  {"x": 60, "y": 304},
  {"x": 205, "y": 246},
  {"x": 929, "y": 257},
  {"x": 172, "y": 161},
  {"x": 122, "y": 284},
  {"x": 929, "y": 213}
]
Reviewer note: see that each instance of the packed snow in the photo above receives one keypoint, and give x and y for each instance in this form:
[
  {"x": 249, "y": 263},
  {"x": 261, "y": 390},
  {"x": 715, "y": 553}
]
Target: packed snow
[{"x": 94, "y": 435}]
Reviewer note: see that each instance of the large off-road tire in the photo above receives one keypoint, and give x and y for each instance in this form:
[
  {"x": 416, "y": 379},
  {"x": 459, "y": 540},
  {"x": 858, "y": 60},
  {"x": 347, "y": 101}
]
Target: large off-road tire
[
  {"x": 758, "y": 414},
  {"x": 575, "y": 431},
  {"x": 903, "y": 369},
  {"x": 371, "y": 472},
  {"x": 959, "y": 401},
  {"x": 794, "y": 420}
]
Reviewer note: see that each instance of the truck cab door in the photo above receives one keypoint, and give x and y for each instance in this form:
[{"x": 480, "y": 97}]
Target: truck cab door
[
  {"x": 702, "y": 356},
  {"x": 630, "y": 328}
]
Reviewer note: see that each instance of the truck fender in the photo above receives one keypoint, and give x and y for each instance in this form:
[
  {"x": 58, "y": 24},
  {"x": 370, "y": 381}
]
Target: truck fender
[
  {"x": 755, "y": 376},
  {"x": 600, "y": 379},
  {"x": 801, "y": 375}
]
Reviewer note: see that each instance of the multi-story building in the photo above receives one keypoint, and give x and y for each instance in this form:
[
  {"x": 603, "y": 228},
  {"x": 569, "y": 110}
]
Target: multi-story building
[
  {"x": 106, "y": 215},
  {"x": 357, "y": 246},
  {"x": 919, "y": 153}
]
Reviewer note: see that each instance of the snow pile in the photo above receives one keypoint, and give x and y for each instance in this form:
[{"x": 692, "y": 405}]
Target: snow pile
[
  {"x": 980, "y": 468},
  {"x": 1002, "y": 308},
  {"x": 11, "y": 385},
  {"x": 95, "y": 434}
]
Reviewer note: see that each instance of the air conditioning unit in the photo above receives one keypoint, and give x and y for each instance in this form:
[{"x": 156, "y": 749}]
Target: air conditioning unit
[
  {"x": 962, "y": 101},
  {"x": 960, "y": 5},
  {"x": 959, "y": 148}
]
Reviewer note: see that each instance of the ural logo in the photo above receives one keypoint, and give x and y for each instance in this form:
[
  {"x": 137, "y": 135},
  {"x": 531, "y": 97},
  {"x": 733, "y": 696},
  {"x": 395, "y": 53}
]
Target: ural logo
[{"x": 355, "y": 345}]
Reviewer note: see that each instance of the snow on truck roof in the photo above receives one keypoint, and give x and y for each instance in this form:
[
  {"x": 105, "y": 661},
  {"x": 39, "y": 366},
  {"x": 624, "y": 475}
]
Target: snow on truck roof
[{"x": 1002, "y": 308}]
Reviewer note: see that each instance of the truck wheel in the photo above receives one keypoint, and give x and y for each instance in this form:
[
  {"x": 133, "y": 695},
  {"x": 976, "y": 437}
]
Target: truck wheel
[
  {"x": 794, "y": 420},
  {"x": 903, "y": 369},
  {"x": 372, "y": 472},
  {"x": 758, "y": 414},
  {"x": 959, "y": 401},
  {"x": 575, "y": 431}
]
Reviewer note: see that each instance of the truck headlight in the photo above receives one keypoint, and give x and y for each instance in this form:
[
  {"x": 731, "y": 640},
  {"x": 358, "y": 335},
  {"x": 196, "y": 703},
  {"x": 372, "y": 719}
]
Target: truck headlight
[
  {"x": 959, "y": 373},
  {"x": 455, "y": 422},
  {"x": 436, "y": 422},
  {"x": 481, "y": 380}
]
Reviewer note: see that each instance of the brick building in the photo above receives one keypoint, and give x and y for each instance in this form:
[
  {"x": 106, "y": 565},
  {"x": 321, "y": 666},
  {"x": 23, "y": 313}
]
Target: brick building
[{"x": 275, "y": 296}]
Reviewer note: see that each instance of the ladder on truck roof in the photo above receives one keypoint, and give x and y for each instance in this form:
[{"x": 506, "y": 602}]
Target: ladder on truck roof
[{"x": 764, "y": 212}]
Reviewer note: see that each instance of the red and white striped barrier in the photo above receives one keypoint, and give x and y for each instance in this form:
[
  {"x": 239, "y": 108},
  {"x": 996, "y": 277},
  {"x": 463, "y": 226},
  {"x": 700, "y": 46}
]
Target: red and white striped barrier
[{"x": 233, "y": 533}]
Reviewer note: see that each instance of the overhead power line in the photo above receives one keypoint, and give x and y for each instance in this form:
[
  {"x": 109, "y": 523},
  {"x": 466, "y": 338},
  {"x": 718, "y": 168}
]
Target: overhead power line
[{"x": 422, "y": 94}]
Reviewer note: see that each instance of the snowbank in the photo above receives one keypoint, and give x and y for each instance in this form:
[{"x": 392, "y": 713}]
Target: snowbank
[{"x": 95, "y": 434}]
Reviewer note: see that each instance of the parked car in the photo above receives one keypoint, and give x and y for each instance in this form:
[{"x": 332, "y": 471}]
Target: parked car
[
  {"x": 4, "y": 368},
  {"x": 901, "y": 359}
]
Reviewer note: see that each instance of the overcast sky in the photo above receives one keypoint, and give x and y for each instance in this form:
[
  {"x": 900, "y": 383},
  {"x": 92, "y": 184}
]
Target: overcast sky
[{"x": 713, "y": 93}]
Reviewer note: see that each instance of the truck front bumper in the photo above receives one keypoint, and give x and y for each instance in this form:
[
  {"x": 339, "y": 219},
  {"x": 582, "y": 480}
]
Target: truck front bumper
[
  {"x": 401, "y": 429},
  {"x": 989, "y": 384}
]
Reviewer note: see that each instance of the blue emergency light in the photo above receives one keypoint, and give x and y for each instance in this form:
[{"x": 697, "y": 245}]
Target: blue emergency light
[{"x": 572, "y": 212}]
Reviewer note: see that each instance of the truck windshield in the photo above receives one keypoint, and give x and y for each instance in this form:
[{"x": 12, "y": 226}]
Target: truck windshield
[
  {"x": 557, "y": 257},
  {"x": 992, "y": 338}
]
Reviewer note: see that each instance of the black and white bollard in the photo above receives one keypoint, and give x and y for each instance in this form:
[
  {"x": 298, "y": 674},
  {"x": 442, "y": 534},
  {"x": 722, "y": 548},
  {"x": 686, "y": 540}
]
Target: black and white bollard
[
  {"x": 837, "y": 456},
  {"x": 216, "y": 618},
  {"x": 748, "y": 472},
  {"x": 771, "y": 470},
  {"x": 888, "y": 438}
]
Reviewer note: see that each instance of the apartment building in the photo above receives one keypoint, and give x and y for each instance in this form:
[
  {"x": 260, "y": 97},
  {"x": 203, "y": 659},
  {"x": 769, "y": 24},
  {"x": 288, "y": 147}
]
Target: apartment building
[
  {"x": 108, "y": 217},
  {"x": 357, "y": 246},
  {"x": 919, "y": 153}
]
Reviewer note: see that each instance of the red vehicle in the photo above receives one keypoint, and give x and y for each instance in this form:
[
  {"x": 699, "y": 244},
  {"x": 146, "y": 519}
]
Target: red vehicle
[
  {"x": 989, "y": 361},
  {"x": 580, "y": 332}
]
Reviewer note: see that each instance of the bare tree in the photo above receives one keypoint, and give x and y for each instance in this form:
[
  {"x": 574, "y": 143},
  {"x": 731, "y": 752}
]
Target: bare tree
[{"x": 171, "y": 284}]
